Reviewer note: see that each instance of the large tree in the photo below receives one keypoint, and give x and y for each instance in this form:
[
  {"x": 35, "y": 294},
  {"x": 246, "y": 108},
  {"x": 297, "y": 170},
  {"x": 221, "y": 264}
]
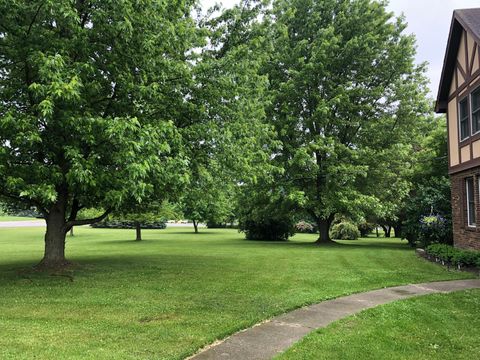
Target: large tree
[
  {"x": 226, "y": 138},
  {"x": 88, "y": 94},
  {"x": 345, "y": 89}
]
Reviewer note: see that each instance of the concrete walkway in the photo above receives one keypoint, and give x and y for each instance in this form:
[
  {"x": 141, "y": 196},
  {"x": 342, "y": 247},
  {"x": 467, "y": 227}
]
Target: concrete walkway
[
  {"x": 267, "y": 339},
  {"x": 26, "y": 223}
]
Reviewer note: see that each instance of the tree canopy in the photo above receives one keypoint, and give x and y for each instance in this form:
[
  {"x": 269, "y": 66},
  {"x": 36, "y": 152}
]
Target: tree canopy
[
  {"x": 346, "y": 93},
  {"x": 86, "y": 90},
  {"x": 295, "y": 107}
]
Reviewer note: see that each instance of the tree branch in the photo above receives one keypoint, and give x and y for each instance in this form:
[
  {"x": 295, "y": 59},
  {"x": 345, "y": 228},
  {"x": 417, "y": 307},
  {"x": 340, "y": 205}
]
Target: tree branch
[
  {"x": 34, "y": 19},
  {"x": 74, "y": 211},
  {"x": 72, "y": 223},
  {"x": 30, "y": 202}
]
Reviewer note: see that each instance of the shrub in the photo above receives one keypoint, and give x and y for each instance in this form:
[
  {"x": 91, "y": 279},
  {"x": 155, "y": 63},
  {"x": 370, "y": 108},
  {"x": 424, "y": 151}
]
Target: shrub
[
  {"x": 128, "y": 224},
  {"x": 454, "y": 256},
  {"x": 267, "y": 229},
  {"x": 266, "y": 210},
  {"x": 433, "y": 229},
  {"x": 305, "y": 227},
  {"x": 216, "y": 225},
  {"x": 344, "y": 231}
]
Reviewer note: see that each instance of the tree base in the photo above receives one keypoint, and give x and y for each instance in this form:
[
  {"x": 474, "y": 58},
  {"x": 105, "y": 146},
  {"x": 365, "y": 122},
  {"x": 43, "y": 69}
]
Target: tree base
[
  {"x": 322, "y": 242},
  {"x": 48, "y": 265}
]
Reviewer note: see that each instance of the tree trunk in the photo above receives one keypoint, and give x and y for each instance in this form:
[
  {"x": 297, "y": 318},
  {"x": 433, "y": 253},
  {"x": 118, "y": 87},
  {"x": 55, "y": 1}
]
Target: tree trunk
[
  {"x": 324, "y": 230},
  {"x": 387, "y": 229},
  {"x": 138, "y": 229},
  {"x": 71, "y": 231},
  {"x": 54, "y": 255},
  {"x": 398, "y": 231},
  {"x": 376, "y": 230},
  {"x": 195, "y": 226}
]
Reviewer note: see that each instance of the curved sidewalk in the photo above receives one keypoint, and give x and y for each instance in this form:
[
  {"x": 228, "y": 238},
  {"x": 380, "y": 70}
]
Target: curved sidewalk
[{"x": 267, "y": 339}]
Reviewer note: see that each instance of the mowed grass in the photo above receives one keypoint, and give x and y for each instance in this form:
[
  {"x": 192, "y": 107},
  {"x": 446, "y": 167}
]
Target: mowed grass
[
  {"x": 440, "y": 326},
  {"x": 174, "y": 292}
]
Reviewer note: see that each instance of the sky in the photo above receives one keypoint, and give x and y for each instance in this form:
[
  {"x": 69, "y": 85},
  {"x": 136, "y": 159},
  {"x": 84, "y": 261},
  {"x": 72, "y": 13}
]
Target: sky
[{"x": 429, "y": 20}]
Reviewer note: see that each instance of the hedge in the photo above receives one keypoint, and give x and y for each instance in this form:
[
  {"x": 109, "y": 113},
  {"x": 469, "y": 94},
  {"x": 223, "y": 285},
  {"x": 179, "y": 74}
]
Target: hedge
[
  {"x": 127, "y": 224},
  {"x": 454, "y": 256}
]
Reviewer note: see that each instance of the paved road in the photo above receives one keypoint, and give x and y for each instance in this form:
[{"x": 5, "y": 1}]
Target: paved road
[
  {"x": 28, "y": 223},
  {"x": 266, "y": 340}
]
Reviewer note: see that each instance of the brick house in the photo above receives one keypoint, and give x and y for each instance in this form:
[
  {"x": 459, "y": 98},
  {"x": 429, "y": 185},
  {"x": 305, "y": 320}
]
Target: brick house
[{"x": 459, "y": 97}]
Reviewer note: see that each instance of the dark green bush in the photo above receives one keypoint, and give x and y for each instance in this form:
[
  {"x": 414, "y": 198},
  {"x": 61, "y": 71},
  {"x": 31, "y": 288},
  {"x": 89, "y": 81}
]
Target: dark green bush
[
  {"x": 128, "y": 224},
  {"x": 344, "y": 231},
  {"x": 216, "y": 225},
  {"x": 454, "y": 256},
  {"x": 267, "y": 229}
]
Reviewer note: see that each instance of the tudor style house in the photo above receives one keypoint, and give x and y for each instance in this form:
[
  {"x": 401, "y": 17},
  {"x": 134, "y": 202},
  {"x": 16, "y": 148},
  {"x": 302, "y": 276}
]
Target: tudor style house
[{"x": 459, "y": 98}]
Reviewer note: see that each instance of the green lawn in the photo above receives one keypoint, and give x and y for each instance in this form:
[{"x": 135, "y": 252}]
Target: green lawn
[
  {"x": 16, "y": 218},
  {"x": 440, "y": 326},
  {"x": 169, "y": 295}
]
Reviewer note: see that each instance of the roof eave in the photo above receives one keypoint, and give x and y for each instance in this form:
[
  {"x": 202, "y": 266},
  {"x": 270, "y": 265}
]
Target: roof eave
[{"x": 440, "y": 107}]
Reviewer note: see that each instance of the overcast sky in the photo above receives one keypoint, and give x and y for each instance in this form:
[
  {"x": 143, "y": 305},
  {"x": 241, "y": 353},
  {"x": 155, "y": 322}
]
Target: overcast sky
[{"x": 429, "y": 20}]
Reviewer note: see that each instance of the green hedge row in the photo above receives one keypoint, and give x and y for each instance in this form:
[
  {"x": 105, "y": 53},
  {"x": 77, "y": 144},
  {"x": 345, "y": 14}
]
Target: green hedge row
[
  {"x": 454, "y": 256},
  {"x": 127, "y": 224}
]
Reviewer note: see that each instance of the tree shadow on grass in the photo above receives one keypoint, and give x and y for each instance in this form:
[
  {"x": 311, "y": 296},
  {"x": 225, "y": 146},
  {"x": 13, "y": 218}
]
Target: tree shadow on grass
[
  {"x": 193, "y": 233},
  {"x": 346, "y": 244},
  {"x": 172, "y": 239},
  {"x": 114, "y": 265}
]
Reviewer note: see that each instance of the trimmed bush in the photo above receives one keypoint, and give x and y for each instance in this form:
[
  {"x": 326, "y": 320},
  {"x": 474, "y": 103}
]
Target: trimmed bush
[
  {"x": 127, "y": 224},
  {"x": 267, "y": 229},
  {"x": 216, "y": 225},
  {"x": 345, "y": 231},
  {"x": 451, "y": 255}
]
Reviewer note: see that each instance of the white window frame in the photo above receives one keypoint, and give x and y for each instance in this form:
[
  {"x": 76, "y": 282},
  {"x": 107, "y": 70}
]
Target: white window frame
[{"x": 467, "y": 200}]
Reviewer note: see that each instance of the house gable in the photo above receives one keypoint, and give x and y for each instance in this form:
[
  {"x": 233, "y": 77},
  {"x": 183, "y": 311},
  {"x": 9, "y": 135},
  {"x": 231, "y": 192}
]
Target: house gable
[{"x": 462, "y": 61}]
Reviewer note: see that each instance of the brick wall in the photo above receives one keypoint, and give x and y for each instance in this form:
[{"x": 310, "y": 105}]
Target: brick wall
[{"x": 464, "y": 236}]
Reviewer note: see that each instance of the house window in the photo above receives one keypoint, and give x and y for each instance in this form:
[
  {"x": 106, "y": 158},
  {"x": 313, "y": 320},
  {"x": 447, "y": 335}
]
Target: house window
[
  {"x": 463, "y": 118},
  {"x": 470, "y": 201},
  {"x": 475, "y": 101}
]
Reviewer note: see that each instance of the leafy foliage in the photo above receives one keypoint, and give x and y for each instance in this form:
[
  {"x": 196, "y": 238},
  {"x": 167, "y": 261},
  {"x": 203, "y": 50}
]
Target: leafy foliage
[
  {"x": 87, "y": 92},
  {"x": 365, "y": 228},
  {"x": 305, "y": 227},
  {"x": 225, "y": 137},
  {"x": 430, "y": 193},
  {"x": 345, "y": 231},
  {"x": 129, "y": 224},
  {"x": 346, "y": 95},
  {"x": 266, "y": 211},
  {"x": 454, "y": 256},
  {"x": 267, "y": 229}
]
